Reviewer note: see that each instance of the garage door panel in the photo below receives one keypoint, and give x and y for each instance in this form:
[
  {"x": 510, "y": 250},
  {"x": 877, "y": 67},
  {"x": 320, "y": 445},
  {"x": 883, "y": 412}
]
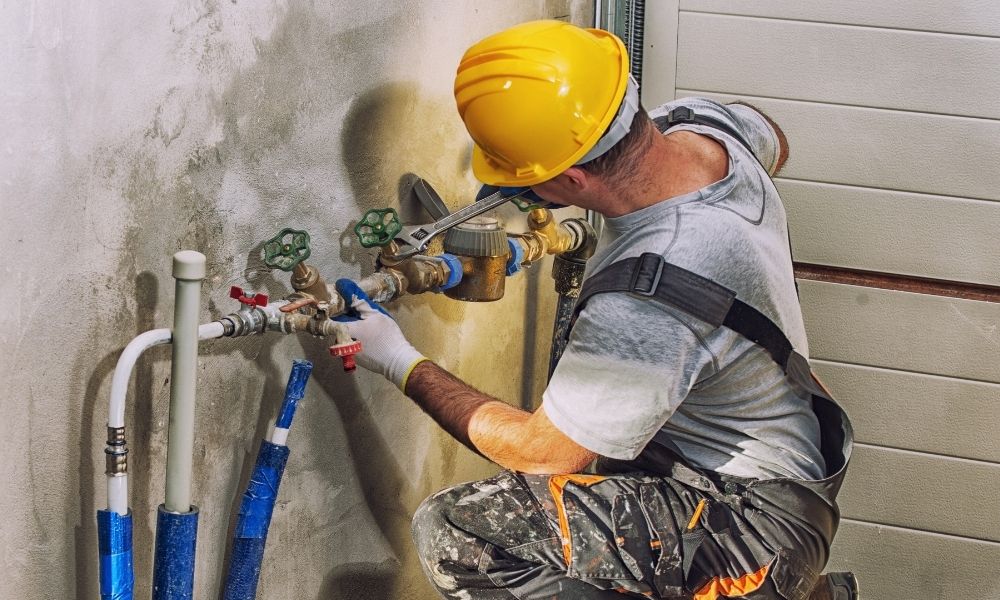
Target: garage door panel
[
  {"x": 894, "y": 232},
  {"x": 884, "y": 149},
  {"x": 973, "y": 17},
  {"x": 919, "y": 412},
  {"x": 900, "y": 564},
  {"x": 902, "y": 330},
  {"x": 922, "y": 491},
  {"x": 858, "y": 66}
]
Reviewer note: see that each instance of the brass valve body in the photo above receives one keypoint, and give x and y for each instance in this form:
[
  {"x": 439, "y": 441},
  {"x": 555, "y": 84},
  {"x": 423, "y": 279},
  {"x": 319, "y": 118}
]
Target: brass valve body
[{"x": 483, "y": 279}]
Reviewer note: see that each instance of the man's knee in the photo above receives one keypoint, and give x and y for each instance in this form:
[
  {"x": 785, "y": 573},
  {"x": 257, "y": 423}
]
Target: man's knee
[
  {"x": 456, "y": 524},
  {"x": 429, "y": 519},
  {"x": 437, "y": 536}
]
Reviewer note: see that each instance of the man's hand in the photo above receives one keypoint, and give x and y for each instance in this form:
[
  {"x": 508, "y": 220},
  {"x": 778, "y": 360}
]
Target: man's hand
[
  {"x": 528, "y": 195},
  {"x": 384, "y": 347}
]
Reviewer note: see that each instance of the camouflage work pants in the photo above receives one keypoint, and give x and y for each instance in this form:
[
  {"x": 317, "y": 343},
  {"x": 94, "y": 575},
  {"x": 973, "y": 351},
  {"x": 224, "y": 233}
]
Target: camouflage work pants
[{"x": 530, "y": 537}]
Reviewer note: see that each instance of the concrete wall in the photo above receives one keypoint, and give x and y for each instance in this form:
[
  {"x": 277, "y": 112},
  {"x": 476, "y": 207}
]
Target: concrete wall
[{"x": 131, "y": 130}]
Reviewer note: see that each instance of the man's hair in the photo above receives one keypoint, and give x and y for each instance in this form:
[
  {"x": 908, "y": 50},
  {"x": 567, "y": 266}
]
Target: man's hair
[{"x": 617, "y": 162}]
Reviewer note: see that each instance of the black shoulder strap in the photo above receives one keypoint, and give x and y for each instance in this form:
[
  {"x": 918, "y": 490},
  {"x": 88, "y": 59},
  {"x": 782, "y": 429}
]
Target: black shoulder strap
[{"x": 650, "y": 276}]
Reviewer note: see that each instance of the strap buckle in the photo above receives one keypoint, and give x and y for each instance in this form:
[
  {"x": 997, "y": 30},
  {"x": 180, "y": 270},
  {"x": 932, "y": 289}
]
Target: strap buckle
[
  {"x": 646, "y": 276},
  {"x": 679, "y": 115}
]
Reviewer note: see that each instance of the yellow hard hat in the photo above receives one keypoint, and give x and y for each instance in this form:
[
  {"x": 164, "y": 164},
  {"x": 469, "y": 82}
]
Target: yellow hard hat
[{"x": 537, "y": 98}]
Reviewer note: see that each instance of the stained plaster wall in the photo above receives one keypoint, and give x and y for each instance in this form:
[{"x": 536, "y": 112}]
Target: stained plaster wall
[{"x": 131, "y": 130}]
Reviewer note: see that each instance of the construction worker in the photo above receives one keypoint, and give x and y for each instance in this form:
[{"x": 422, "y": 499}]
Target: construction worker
[{"x": 715, "y": 456}]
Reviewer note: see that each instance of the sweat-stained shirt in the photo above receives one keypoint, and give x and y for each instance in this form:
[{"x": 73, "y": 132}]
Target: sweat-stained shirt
[{"x": 634, "y": 367}]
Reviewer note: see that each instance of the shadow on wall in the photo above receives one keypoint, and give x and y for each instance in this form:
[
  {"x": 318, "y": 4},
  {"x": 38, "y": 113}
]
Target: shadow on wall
[
  {"x": 392, "y": 135},
  {"x": 271, "y": 113},
  {"x": 381, "y": 139},
  {"x": 140, "y": 422}
]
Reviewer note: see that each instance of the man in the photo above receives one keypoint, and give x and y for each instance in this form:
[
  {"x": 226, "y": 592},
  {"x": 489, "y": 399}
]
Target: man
[{"x": 718, "y": 458}]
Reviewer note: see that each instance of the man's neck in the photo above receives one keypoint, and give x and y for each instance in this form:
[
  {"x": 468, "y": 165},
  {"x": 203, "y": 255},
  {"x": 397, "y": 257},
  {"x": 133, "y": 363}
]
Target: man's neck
[{"x": 674, "y": 165}]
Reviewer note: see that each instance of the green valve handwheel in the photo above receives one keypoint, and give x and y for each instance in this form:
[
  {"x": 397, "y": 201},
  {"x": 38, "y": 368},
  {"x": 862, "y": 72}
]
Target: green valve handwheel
[
  {"x": 378, "y": 227},
  {"x": 287, "y": 249}
]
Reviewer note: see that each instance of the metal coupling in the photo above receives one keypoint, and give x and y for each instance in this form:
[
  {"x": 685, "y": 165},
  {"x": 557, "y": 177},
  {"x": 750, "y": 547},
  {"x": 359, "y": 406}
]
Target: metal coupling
[
  {"x": 321, "y": 327},
  {"x": 584, "y": 239},
  {"x": 318, "y": 325},
  {"x": 247, "y": 321},
  {"x": 116, "y": 452},
  {"x": 383, "y": 285}
]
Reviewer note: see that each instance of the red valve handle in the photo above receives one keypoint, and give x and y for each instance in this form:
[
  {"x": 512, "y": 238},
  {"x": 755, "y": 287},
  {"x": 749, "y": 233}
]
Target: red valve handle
[
  {"x": 346, "y": 352},
  {"x": 236, "y": 293}
]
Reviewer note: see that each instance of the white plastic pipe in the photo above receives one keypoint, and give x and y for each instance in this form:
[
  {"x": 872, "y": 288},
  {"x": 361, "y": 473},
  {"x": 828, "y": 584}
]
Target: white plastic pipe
[
  {"x": 123, "y": 371},
  {"x": 118, "y": 484},
  {"x": 189, "y": 270},
  {"x": 118, "y": 493},
  {"x": 132, "y": 352}
]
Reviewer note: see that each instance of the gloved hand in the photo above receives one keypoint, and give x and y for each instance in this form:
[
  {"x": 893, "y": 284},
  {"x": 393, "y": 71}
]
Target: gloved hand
[
  {"x": 384, "y": 349},
  {"x": 528, "y": 196}
]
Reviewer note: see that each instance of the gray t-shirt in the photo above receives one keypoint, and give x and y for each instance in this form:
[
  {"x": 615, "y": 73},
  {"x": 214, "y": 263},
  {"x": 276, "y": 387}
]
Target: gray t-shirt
[{"x": 634, "y": 367}]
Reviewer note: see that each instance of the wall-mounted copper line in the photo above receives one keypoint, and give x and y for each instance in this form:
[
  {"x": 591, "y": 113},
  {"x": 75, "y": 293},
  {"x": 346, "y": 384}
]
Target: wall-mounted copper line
[{"x": 899, "y": 283}]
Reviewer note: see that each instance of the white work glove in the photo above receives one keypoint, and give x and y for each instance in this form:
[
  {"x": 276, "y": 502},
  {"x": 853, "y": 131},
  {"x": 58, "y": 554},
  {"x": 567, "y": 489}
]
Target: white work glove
[{"x": 384, "y": 348}]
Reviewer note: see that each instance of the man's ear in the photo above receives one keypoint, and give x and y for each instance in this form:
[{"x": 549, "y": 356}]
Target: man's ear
[{"x": 576, "y": 178}]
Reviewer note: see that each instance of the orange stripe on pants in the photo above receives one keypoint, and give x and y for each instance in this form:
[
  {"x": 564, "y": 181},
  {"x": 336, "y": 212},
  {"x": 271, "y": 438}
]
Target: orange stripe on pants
[
  {"x": 557, "y": 483},
  {"x": 732, "y": 587}
]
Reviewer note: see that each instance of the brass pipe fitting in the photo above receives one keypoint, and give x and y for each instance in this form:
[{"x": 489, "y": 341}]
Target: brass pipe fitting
[
  {"x": 556, "y": 239},
  {"x": 295, "y": 322},
  {"x": 573, "y": 238},
  {"x": 306, "y": 281},
  {"x": 419, "y": 274},
  {"x": 483, "y": 279}
]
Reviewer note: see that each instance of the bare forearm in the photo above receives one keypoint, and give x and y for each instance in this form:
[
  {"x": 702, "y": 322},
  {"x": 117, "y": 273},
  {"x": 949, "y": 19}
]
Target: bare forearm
[
  {"x": 448, "y": 400},
  {"x": 508, "y": 436}
]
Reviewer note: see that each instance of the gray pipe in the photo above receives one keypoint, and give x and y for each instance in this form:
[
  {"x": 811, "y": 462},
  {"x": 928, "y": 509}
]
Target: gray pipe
[{"x": 189, "y": 270}]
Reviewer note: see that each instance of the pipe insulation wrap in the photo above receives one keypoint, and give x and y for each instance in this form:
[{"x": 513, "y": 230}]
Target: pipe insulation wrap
[
  {"x": 253, "y": 522},
  {"x": 294, "y": 391},
  {"x": 114, "y": 545},
  {"x": 173, "y": 558}
]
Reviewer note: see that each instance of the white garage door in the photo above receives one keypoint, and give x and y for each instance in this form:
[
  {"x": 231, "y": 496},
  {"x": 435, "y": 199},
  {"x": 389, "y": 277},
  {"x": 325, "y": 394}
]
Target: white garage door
[{"x": 892, "y": 110}]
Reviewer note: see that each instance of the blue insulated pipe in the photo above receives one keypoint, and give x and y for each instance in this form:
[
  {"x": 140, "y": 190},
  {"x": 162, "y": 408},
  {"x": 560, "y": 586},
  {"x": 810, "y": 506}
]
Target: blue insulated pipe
[
  {"x": 294, "y": 392},
  {"x": 114, "y": 544},
  {"x": 173, "y": 556},
  {"x": 257, "y": 505}
]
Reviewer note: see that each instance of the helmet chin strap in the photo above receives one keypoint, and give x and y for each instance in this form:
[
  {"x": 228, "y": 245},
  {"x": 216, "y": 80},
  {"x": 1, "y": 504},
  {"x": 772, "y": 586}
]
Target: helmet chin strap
[{"x": 621, "y": 124}]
